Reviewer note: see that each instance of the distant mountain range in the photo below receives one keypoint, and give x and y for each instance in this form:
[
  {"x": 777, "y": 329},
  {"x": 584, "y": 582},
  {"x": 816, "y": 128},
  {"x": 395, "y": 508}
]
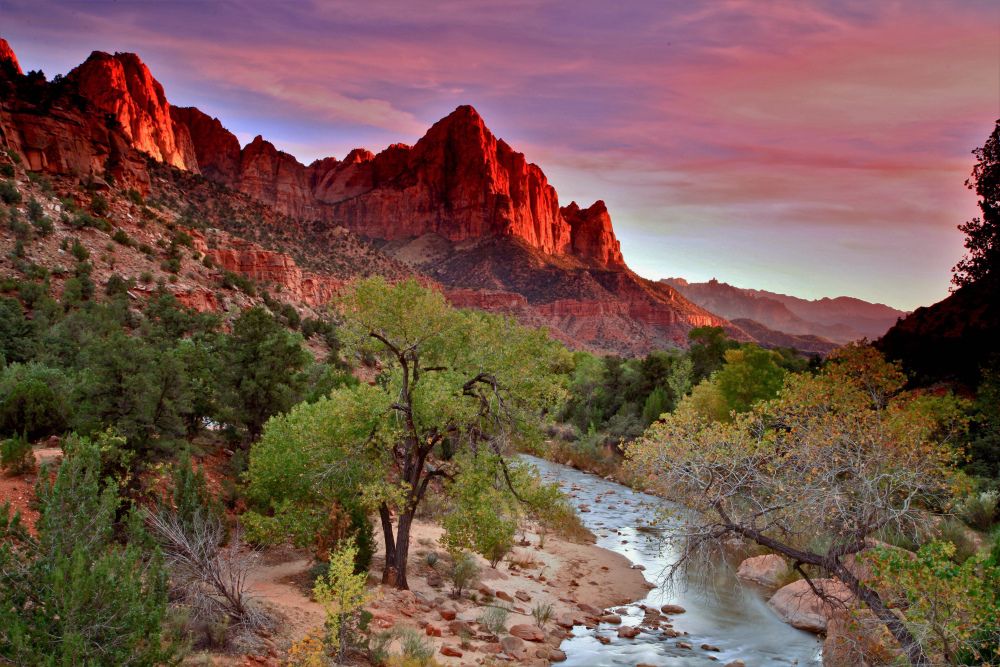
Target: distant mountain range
[{"x": 838, "y": 320}]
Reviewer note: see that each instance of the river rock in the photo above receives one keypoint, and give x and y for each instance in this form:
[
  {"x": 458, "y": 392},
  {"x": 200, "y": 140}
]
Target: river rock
[
  {"x": 529, "y": 633},
  {"x": 735, "y": 663},
  {"x": 504, "y": 595},
  {"x": 522, "y": 596},
  {"x": 671, "y": 609},
  {"x": 556, "y": 655},
  {"x": 768, "y": 570},
  {"x": 628, "y": 632},
  {"x": 447, "y": 614},
  {"x": 797, "y": 605},
  {"x": 433, "y": 630},
  {"x": 612, "y": 619}
]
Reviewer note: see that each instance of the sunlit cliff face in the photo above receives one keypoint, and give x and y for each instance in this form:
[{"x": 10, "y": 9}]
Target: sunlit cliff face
[{"x": 805, "y": 147}]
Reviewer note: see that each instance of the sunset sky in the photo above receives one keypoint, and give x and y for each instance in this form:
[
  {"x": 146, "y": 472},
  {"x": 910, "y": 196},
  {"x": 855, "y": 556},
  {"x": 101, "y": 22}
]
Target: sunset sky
[{"x": 812, "y": 148}]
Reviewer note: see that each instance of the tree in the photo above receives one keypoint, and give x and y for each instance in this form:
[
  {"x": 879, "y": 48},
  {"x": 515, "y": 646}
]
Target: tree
[
  {"x": 452, "y": 380},
  {"x": 343, "y": 595},
  {"x": 262, "y": 375},
  {"x": 982, "y": 235},
  {"x": 815, "y": 474},
  {"x": 72, "y": 595},
  {"x": 33, "y": 400},
  {"x": 750, "y": 374},
  {"x": 17, "y": 340},
  {"x": 707, "y": 351},
  {"x": 656, "y": 404},
  {"x": 953, "y": 608}
]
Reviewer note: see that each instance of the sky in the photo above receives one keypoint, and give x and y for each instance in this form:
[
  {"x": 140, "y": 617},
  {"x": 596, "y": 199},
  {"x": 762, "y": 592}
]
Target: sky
[{"x": 809, "y": 147}]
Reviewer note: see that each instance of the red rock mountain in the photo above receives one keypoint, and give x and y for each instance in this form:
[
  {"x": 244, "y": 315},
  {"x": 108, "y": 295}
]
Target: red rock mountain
[
  {"x": 7, "y": 56},
  {"x": 460, "y": 206}
]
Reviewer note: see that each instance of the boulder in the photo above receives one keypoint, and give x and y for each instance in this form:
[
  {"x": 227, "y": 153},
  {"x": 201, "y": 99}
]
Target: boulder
[
  {"x": 671, "y": 609},
  {"x": 451, "y": 651},
  {"x": 769, "y": 570},
  {"x": 797, "y": 604},
  {"x": 529, "y": 633},
  {"x": 612, "y": 619},
  {"x": 503, "y": 595},
  {"x": 514, "y": 647}
]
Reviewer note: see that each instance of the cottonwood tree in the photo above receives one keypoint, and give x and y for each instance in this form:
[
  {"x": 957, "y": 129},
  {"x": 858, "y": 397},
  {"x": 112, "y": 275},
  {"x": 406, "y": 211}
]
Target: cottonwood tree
[
  {"x": 451, "y": 382},
  {"x": 814, "y": 475}
]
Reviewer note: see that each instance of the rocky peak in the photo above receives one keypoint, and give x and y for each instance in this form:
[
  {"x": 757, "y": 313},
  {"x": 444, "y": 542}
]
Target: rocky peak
[
  {"x": 216, "y": 148},
  {"x": 592, "y": 234},
  {"x": 121, "y": 85},
  {"x": 7, "y": 55}
]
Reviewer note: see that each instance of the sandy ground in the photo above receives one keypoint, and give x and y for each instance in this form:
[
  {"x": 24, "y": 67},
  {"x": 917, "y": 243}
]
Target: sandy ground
[
  {"x": 19, "y": 490},
  {"x": 578, "y": 580}
]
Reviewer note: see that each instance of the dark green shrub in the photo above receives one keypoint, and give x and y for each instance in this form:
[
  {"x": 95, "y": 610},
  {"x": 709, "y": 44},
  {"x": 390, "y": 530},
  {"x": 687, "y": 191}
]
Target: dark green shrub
[
  {"x": 16, "y": 457},
  {"x": 9, "y": 194},
  {"x": 122, "y": 237},
  {"x": 73, "y": 595},
  {"x": 99, "y": 205},
  {"x": 79, "y": 251},
  {"x": 7, "y": 170}
]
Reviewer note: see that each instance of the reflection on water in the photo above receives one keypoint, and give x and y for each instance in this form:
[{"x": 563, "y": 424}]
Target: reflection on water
[{"x": 720, "y": 612}]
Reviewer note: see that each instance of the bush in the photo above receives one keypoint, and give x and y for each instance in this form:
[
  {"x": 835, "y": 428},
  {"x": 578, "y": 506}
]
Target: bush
[
  {"x": 73, "y": 595},
  {"x": 35, "y": 211},
  {"x": 99, "y": 205},
  {"x": 122, "y": 237},
  {"x": 342, "y": 595},
  {"x": 416, "y": 650},
  {"x": 7, "y": 170},
  {"x": 15, "y": 455},
  {"x": 33, "y": 400},
  {"x": 954, "y": 531},
  {"x": 464, "y": 573},
  {"x": 979, "y": 510},
  {"x": 494, "y": 619},
  {"x": 79, "y": 251},
  {"x": 9, "y": 194},
  {"x": 542, "y": 614}
]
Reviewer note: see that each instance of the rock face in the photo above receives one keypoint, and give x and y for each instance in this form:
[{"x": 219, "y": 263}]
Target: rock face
[
  {"x": 768, "y": 570},
  {"x": 121, "y": 85},
  {"x": 217, "y": 149},
  {"x": 460, "y": 207},
  {"x": 267, "y": 267},
  {"x": 800, "y": 607},
  {"x": 7, "y": 56},
  {"x": 458, "y": 181},
  {"x": 592, "y": 234}
]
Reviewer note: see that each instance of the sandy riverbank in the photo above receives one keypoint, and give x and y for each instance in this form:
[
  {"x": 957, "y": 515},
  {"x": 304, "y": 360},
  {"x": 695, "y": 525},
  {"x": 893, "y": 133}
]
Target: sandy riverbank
[{"x": 578, "y": 580}]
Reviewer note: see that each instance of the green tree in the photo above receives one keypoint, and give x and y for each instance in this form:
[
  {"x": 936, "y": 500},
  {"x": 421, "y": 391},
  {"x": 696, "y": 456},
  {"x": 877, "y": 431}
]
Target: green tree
[
  {"x": 656, "y": 404},
  {"x": 982, "y": 235},
  {"x": 33, "y": 400},
  {"x": 452, "y": 381},
  {"x": 17, "y": 339},
  {"x": 750, "y": 374},
  {"x": 262, "y": 373},
  {"x": 707, "y": 351},
  {"x": 72, "y": 595}
]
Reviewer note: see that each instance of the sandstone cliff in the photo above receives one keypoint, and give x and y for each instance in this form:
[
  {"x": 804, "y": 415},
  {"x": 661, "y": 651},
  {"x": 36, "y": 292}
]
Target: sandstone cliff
[{"x": 121, "y": 86}]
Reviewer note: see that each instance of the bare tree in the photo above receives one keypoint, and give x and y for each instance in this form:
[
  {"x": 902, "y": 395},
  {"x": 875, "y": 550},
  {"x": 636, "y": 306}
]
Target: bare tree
[
  {"x": 210, "y": 578},
  {"x": 814, "y": 475}
]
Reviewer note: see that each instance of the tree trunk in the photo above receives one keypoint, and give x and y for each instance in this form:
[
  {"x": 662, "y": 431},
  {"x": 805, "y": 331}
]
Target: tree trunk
[
  {"x": 914, "y": 651},
  {"x": 402, "y": 551},
  {"x": 388, "y": 572}
]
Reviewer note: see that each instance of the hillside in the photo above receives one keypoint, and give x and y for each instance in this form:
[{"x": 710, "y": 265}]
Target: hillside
[{"x": 505, "y": 241}]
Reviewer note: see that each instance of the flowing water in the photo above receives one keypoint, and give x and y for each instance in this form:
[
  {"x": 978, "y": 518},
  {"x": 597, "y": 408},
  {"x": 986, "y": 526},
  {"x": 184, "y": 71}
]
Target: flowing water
[{"x": 720, "y": 611}]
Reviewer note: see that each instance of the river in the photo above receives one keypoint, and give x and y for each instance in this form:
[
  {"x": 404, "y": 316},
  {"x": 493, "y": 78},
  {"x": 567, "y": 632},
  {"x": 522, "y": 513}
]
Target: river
[{"x": 720, "y": 611}]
